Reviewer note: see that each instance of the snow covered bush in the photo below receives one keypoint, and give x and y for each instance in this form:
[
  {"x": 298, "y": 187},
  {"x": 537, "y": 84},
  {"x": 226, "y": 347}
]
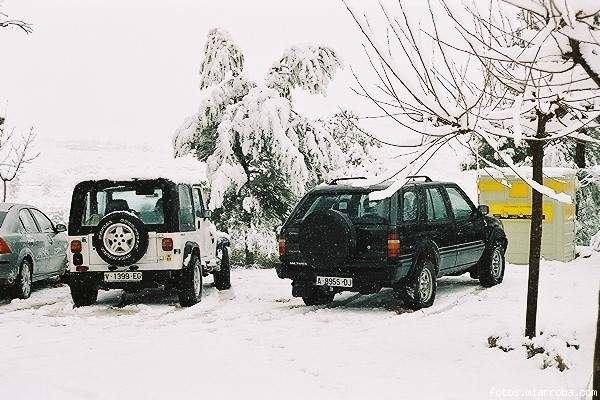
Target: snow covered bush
[
  {"x": 550, "y": 349},
  {"x": 261, "y": 155}
]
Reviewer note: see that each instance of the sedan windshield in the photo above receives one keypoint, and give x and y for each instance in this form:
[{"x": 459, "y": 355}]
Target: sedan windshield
[{"x": 146, "y": 204}]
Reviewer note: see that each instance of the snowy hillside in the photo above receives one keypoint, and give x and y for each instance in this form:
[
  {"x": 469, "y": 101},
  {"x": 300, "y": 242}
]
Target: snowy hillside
[{"x": 48, "y": 181}]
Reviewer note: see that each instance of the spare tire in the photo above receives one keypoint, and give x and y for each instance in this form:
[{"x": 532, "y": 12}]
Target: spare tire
[
  {"x": 121, "y": 238},
  {"x": 327, "y": 239}
]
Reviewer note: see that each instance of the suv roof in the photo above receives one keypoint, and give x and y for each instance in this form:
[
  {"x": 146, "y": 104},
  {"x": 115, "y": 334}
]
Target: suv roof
[
  {"x": 357, "y": 188},
  {"x": 130, "y": 180}
]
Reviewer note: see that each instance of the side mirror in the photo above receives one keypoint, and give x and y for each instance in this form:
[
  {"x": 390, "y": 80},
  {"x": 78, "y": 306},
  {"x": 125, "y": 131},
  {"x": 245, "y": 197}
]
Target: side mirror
[
  {"x": 207, "y": 214},
  {"x": 60, "y": 228},
  {"x": 483, "y": 209}
]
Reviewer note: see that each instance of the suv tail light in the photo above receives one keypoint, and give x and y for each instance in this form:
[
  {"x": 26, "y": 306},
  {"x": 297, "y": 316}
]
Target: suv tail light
[
  {"x": 167, "y": 244},
  {"x": 393, "y": 245},
  {"x": 4, "y": 249},
  {"x": 282, "y": 244},
  {"x": 76, "y": 246}
]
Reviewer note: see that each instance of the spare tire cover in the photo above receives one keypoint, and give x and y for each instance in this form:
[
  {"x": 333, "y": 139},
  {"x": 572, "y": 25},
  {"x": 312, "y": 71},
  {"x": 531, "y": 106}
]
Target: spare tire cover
[
  {"x": 327, "y": 238},
  {"x": 121, "y": 238}
]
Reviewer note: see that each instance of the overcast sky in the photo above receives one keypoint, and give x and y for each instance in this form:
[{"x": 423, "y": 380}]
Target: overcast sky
[{"x": 128, "y": 70}]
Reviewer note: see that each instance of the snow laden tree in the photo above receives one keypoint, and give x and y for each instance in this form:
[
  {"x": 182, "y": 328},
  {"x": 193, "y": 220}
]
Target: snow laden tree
[
  {"x": 261, "y": 154},
  {"x": 504, "y": 81}
]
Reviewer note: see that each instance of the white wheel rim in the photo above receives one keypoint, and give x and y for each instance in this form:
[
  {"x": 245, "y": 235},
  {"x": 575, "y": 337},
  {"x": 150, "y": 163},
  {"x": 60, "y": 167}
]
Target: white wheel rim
[
  {"x": 497, "y": 263},
  {"x": 197, "y": 281},
  {"x": 26, "y": 280},
  {"x": 425, "y": 285},
  {"x": 119, "y": 239}
]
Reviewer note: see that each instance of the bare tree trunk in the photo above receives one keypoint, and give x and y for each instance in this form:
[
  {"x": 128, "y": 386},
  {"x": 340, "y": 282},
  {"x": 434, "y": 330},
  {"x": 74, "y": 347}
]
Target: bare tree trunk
[
  {"x": 580, "y": 154},
  {"x": 249, "y": 254},
  {"x": 4, "y": 191},
  {"x": 535, "y": 239},
  {"x": 596, "y": 384}
]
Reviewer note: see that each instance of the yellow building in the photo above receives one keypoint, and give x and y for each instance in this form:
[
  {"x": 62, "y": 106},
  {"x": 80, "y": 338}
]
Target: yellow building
[{"x": 512, "y": 205}]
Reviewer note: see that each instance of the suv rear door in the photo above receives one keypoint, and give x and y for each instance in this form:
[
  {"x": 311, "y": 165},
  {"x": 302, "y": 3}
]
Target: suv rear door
[{"x": 469, "y": 227}]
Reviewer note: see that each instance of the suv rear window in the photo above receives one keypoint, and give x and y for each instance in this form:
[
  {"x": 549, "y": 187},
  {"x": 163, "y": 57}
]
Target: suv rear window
[
  {"x": 356, "y": 206},
  {"x": 147, "y": 204}
]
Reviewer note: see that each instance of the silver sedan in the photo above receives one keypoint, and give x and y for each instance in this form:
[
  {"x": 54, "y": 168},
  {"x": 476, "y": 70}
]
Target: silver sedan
[{"x": 32, "y": 248}]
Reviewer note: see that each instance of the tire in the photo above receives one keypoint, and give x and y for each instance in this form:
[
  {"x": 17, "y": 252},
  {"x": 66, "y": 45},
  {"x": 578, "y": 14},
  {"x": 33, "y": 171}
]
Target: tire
[
  {"x": 419, "y": 291},
  {"x": 492, "y": 266},
  {"x": 121, "y": 238},
  {"x": 327, "y": 239},
  {"x": 223, "y": 276},
  {"x": 318, "y": 298},
  {"x": 189, "y": 287},
  {"x": 83, "y": 293},
  {"x": 22, "y": 288}
]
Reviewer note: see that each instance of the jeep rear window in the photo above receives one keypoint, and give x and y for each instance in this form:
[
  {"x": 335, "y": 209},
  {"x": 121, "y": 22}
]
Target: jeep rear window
[
  {"x": 146, "y": 204},
  {"x": 356, "y": 206}
]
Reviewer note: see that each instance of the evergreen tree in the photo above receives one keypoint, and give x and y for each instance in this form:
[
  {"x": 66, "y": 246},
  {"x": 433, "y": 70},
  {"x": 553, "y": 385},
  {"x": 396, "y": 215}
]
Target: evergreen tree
[{"x": 261, "y": 155}]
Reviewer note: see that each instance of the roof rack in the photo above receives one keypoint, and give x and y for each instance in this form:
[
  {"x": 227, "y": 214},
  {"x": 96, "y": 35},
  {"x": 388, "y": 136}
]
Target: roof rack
[
  {"x": 335, "y": 181},
  {"x": 413, "y": 177}
]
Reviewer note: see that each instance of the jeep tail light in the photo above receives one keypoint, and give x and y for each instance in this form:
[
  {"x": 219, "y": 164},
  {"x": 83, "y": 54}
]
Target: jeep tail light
[
  {"x": 282, "y": 244},
  {"x": 167, "y": 244},
  {"x": 76, "y": 246},
  {"x": 81, "y": 268},
  {"x": 4, "y": 249},
  {"x": 393, "y": 245}
]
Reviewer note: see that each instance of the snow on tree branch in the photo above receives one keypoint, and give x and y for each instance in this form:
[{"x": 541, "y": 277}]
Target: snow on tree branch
[
  {"x": 307, "y": 67},
  {"x": 5, "y": 22},
  {"x": 223, "y": 58},
  {"x": 252, "y": 134},
  {"x": 198, "y": 133}
]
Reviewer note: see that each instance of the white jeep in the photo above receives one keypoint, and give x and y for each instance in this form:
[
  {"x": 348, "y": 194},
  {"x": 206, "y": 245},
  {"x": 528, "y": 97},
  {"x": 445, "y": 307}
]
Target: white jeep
[{"x": 143, "y": 233}]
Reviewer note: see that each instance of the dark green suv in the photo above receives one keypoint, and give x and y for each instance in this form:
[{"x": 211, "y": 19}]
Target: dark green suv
[{"x": 339, "y": 239}]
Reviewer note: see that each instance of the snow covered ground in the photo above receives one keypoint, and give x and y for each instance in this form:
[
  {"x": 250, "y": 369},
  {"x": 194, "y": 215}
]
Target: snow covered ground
[{"x": 256, "y": 341}]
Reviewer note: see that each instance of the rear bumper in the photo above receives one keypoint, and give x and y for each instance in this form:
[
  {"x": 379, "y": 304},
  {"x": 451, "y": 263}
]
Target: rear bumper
[
  {"x": 363, "y": 276},
  {"x": 150, "y": 279}
]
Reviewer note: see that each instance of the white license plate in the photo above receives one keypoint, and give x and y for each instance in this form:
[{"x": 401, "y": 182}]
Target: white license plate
[
  {"x": 333, "y": 281},
  {"x": 122, "y": 276}
]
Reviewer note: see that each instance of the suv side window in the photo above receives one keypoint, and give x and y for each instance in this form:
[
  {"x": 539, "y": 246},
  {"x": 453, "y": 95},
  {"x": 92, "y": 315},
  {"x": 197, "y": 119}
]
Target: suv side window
[
  {"x": 198, "y": 205},
  {"x": 436, "y": 208},
  {"x": 27, "y": 221},
  {"x": 43, "y": 222},
  {"x": 410, "y": 206},
  {"x": 186, "y": 215},
  {"x": 461, "y": 207}
]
